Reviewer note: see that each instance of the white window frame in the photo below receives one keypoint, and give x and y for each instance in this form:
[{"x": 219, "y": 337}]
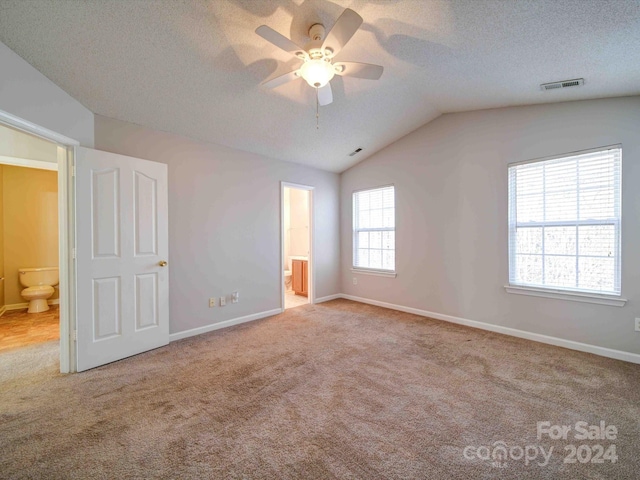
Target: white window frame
[
  {"x": 357, "y": 229},
  {"x": 566, "y": 293}
]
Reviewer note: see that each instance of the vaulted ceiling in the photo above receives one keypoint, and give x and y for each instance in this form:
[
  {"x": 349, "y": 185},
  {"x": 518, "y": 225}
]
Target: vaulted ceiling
[{"x": 194, "y": 67}]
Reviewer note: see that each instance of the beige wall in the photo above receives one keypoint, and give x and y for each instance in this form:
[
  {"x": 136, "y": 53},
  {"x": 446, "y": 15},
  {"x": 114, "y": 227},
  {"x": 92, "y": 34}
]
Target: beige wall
[
  {"x": 286, "y": 225},
  {"x": 2, "y": 282},
  {"x": 30, "y": 224},
  {"x": 296, "y": 223},
  {"x": 224, "y": 222},
  {"x": 299, "y": 222},
  {"x": 451, "y": 216}
]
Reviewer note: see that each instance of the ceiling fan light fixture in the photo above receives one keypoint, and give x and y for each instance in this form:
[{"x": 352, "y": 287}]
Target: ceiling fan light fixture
[
  {"x": 317, "y": 73},
  {"x": 317, "y": 56}
]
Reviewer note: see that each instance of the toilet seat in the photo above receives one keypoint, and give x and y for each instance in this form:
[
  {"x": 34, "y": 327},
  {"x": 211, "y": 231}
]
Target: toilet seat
[{"x": 37, "y": 291}]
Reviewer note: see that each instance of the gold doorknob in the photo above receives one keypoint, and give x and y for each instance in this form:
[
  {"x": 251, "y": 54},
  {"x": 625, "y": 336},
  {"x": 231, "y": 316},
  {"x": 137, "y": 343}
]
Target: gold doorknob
[{"x": 162, "y": 263}]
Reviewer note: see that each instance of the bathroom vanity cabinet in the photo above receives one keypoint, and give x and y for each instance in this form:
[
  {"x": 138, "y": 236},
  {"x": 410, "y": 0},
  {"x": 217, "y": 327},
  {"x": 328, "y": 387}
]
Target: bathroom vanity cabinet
[{"x": 299, "y": 277}]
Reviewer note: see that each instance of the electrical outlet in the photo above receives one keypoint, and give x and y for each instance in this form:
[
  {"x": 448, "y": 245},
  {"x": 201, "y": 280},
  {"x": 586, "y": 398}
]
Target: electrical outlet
[
  {"x": 212, "y": 302},
  {"x": 235, "y": 297},
  {"x": 223, "y": 301},
  {"x": 355, "y": 281},
  {"x": 637, "y": 324}
]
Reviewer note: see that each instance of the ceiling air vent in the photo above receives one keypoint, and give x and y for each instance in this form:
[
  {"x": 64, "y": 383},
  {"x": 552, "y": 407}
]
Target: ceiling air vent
[
  {"x": 357, "y": 150},
  {"x": 563, "y": 84}
]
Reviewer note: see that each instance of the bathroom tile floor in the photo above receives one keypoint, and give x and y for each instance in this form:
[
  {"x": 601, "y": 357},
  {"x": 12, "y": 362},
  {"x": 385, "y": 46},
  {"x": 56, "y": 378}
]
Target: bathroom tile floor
[
  {"x": 19, "y": 328},
  {"x": 291, "y": 300}
]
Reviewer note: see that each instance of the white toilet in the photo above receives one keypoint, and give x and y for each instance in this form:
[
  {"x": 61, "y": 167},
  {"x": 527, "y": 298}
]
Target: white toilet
[
  {"x": 39, "y": 283},
  {"x": 288, "y": 286}
]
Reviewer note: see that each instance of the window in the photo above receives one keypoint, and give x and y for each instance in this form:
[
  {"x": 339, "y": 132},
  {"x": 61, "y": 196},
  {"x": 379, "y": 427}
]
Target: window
[
  {"x": 374, "y": 229},
  {"x": 564, "y": 222}
]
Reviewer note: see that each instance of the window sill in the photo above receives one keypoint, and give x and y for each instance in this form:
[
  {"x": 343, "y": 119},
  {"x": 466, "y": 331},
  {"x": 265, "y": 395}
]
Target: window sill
[
  {"x": 378, "y": 273},
  {"x": 610, "y": 300}
]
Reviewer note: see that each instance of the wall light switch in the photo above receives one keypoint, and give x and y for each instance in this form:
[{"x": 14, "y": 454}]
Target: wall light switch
[
  {"x": 212, "y": 302},
  {"x": 355, "y": 280},
  {"x": 235, "y": 296},
  {"x": 223, "y": 301},
  {"x": 637, "y": 324}
]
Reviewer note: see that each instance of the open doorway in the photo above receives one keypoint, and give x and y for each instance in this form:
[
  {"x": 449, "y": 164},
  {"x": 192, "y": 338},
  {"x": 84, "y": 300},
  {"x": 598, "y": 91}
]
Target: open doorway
[
  {"x": 297, "y": 244},
  {"x": 99, "y": 206},
  {"x": 29, "y": 263},
  {"x": 34, "y": 258}
]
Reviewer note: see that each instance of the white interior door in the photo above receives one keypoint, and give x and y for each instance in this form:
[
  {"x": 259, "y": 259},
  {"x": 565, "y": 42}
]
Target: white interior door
[{"x": 121, "y": 253}]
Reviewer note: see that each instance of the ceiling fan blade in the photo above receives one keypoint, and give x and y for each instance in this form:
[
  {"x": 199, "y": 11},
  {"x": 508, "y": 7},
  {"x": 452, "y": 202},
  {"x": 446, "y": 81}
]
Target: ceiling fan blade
[
  {"x": 277, "y": 81},
  {"x": 280, "y": 41},
  {"x": 325, "y": 95},
  {"x": 344, "y": 28},
  {"x": 359, "y": 70}
]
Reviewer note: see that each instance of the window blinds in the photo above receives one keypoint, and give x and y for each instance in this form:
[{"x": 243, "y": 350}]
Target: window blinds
[
  {"x": 374, "y": 229},
  {"x": 564, "y": 222}
]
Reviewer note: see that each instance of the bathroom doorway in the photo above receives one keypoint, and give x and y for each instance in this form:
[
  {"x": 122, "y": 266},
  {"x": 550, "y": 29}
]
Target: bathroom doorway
[
  {"x": 34, "y": 218},
  {"x": 297, "y": 245}
]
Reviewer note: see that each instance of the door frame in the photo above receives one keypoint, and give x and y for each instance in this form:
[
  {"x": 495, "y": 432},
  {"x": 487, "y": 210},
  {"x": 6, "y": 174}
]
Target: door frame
[
  {"x": 311, "y": 262},
  {"x": 66, "y": 231}
]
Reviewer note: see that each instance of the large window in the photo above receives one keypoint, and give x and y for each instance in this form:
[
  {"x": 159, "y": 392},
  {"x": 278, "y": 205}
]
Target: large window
[
  {"x": 564, "y": 222},
  {"x": 374, "y": 229}
]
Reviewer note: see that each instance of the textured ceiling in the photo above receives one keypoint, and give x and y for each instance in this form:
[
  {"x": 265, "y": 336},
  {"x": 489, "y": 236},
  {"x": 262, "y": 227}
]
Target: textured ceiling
[{"x": 195, "y": 67}]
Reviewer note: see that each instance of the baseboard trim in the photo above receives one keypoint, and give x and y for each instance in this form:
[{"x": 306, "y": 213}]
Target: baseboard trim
[
  {"x": 15, "y": 306},
  {"x": 20, "y": 306},
  {"x": 227, "y": 323},
  {"x": 514, "y": 332},
  {"x": 329, "y": 298},
  {"x": 2, "y": 310}
]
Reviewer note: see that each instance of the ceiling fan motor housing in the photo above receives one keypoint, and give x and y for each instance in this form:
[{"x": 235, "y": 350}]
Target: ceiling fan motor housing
[{"x": 316, "y": 31}]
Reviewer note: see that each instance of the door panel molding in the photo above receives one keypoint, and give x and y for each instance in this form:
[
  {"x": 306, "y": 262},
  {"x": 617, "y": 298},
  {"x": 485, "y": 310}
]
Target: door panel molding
[
  {"x": 146, "y": 299},
  {"x": 145, "y": 214},
  {"x": 105, "y": 214},
  {"x": 107, "y": 312}
]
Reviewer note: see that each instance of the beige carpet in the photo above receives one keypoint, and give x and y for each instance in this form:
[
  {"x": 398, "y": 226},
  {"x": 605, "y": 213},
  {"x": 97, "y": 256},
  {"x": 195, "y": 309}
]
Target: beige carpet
[{"x": 336, "y": 390}]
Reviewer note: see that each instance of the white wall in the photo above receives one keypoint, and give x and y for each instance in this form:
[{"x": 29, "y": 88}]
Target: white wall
[
  {"x": 15, "y": 143},
  {"x": 224, "y": 222},
  {"x": 451, "y": 196},
  {"x": 26, "y": 93}
]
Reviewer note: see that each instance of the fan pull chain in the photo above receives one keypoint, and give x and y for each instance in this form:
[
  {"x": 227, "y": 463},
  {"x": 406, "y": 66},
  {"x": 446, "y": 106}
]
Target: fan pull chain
[{"x": 317, "y": 109}]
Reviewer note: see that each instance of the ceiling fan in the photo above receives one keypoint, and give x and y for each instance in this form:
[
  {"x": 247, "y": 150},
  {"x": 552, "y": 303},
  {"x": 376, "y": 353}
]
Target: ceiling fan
[{"x": 318, "y": 66}]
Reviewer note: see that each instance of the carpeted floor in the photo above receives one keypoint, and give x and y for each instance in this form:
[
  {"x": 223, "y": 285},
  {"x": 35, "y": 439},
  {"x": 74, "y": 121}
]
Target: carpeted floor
[{"x": 336, "y": 390}]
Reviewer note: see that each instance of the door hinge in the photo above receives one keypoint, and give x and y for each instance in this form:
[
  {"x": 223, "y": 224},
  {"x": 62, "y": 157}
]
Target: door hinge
[
  {"x": 74, "y": 336},
  {"x": 73, "y": 253},
  {"x": 73, "y": 171}
]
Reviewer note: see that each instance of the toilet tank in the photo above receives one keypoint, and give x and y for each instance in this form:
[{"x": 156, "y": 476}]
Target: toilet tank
[{"x": 31, "y": 277}]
